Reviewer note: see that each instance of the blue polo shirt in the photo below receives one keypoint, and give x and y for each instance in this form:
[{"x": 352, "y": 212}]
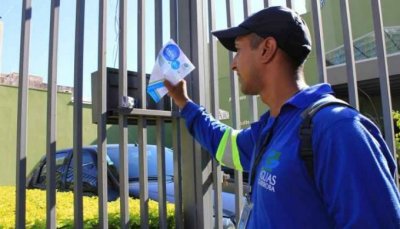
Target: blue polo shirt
[{"x": 354, "y": 170}]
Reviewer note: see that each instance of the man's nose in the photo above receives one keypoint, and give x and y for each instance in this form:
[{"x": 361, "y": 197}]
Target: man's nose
[{"x": 233, "y": 64}]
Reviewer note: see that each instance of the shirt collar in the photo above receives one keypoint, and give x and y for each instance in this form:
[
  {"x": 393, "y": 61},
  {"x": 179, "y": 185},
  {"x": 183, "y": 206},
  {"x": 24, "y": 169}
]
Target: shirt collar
[
  {"x": 308, "y": 95},
  {"x": 301, "y": 100}
]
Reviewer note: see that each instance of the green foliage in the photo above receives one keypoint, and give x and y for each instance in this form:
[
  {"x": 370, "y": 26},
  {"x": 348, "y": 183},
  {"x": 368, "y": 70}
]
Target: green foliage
[
  {"x": 36, "y": 210},
  {"x": 396, "y": 117}
]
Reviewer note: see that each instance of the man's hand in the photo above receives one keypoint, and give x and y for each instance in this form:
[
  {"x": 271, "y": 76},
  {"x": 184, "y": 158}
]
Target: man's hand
[{"x": 178, "y": 93}]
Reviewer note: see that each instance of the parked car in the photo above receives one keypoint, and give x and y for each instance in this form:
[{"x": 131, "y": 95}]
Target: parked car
[{"x": 65, "y": 167}]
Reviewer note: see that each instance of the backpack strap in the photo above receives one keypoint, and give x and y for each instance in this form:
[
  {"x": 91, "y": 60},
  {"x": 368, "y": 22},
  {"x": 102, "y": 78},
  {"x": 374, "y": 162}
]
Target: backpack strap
[{"x": 306, "y": 128}]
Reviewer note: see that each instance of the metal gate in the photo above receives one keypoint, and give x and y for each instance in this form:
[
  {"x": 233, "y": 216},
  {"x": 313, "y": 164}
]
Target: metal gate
[{"x": 197, "y": 177}]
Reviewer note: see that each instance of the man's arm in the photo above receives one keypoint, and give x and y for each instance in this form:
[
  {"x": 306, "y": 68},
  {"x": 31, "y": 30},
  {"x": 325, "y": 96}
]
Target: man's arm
[
  {"x": 230, "y": 147},
  {"x": 353, "y": 168}
]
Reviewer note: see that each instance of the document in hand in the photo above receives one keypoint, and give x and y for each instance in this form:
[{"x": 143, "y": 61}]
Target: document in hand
[{"x": 171, "y": 64}]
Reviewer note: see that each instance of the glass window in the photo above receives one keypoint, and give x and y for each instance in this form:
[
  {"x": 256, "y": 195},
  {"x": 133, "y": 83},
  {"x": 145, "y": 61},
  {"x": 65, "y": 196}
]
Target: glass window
[
  {"x": 364, "y": 47},
  {"x": 133, "y": 161},
  {"x": 60, "y": 168},
  {"x": 89, "y": 172}
]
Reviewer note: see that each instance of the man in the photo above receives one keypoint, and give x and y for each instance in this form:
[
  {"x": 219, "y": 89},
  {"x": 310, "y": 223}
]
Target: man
[{"x": 352, "y": 185}]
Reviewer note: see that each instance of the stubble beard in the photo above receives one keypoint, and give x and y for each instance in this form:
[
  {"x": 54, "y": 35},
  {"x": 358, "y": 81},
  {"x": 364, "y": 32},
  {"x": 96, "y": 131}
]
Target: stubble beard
[
  {"x": 246, "y": 89},
  {"x": 243, "y": 89}
]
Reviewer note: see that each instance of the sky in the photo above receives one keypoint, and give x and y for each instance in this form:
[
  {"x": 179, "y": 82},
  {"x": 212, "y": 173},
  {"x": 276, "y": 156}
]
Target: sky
[{"x": 10, "y": 13}]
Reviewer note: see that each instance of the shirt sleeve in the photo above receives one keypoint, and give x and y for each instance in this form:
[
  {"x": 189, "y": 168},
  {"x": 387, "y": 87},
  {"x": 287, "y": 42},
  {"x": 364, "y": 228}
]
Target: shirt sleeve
[
  {"x": 230, "y": 147},
  {"x": 354, "y": 174}
]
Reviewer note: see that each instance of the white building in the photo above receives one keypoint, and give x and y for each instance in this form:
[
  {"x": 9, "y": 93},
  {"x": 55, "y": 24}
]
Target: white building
[{"x": 1, "y": 43}]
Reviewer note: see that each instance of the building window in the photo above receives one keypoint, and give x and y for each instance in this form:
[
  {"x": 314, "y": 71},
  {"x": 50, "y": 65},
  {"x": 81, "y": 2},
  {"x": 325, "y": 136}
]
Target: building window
[{"x": 364, "y": 47}]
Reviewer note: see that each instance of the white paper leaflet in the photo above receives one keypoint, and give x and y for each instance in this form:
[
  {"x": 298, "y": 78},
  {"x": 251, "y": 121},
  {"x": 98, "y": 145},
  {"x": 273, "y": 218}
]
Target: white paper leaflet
[{"x": 171, "y": 64}]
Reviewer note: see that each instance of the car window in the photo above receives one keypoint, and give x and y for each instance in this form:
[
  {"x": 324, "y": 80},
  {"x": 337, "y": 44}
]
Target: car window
[
  {"x": 60, "y": 168},
  {"x": 89, "y": 169},
  {"x": 133, "y": 161},
  {"x": 89, "y": 172},
  {"x": 88, "y": 162}
]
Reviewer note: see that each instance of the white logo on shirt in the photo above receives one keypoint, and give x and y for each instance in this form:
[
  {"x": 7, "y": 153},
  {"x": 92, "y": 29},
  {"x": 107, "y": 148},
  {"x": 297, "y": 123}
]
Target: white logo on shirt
[{"x": 267, "y": 180}]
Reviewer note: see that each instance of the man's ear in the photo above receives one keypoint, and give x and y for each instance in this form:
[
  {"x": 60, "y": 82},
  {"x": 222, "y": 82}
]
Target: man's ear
[{"x": 268, "y": 50}]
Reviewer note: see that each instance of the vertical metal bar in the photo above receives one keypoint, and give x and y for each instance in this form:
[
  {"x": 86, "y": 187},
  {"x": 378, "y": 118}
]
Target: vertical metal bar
[
  {"x": 203, "y": 163},
  {"x": 102, "y": 116},
  {"x": 289, "y": 3},
  {"x": 252, "y": 99},
  {"x": 173, "y": 24},
  {"x": 217, "y": 175},
  {"x": 246, "y": 8},
  {"x": 384, "y": 78},
  {"x": 142, "y": 127},
  {"x": 176, "y": 131},
  {"x": 123, "y": 124},
  {"x": 266, "y": 3},
  {"x": 235, "y": 114},
  {"x": 158, "y": 13},
  {"x": 349, "y": 51},
  {"x": 143, "y": 174},
  {"x": 177, "y": 173},
  {"x": 189, "y": 205},
  {"x": 162, "y": 207},
  {"x": 141, "y": 52},
  {"x": 319, "y": 40},
  {"x": 77, "y": 126},
  {"x": 51, "y": 117},
  {"x": 20, "y": 217},
  {"x": 173, "y": 6},
  {"x": 197, "y": 168}
]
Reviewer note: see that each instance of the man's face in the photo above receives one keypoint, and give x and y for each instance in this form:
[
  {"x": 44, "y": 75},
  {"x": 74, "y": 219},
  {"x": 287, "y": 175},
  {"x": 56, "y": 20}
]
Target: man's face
[{"x": 246, "y": 64}]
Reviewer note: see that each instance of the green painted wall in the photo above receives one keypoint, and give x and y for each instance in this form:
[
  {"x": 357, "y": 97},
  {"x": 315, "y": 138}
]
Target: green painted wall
[{"x": 36, "y": 129}]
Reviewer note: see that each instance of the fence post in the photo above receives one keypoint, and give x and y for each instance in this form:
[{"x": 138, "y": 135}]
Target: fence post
[
  {"x": 196, "y": 171},
  {"x": 20, "y": 205},
  {"x": 383, "y": 75}
]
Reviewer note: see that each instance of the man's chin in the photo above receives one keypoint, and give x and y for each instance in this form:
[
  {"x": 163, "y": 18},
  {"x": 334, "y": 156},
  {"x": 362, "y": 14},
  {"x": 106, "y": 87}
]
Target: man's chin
[{"x": 247, "y": 92}]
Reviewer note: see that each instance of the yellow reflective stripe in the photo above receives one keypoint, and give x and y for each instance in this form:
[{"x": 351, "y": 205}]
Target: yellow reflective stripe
[
  {"x": 222, "y": 146},
  {"x": 235, "y": 151}
]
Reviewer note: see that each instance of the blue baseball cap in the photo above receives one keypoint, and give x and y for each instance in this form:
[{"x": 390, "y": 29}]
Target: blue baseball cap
[{"x": 285, "y": 25}]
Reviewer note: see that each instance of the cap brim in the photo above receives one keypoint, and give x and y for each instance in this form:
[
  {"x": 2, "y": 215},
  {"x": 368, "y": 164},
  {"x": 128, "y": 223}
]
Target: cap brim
[{"x": 227, "y": 36}]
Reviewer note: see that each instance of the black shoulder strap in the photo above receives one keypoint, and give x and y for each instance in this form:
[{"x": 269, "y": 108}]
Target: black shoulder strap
[{"x": 306, "y": 130}]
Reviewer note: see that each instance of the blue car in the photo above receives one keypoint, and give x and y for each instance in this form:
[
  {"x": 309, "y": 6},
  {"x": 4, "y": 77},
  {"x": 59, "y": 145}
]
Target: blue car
[{"x": 65, "y": 168}]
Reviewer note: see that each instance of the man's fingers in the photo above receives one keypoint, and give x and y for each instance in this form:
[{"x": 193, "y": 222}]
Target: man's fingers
[
  {"x": 171, "y": 87},
  {"x": 168, "y": 85},
  {"x": 182, "y": 83},
  {"x": 177, "y": 92}
]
